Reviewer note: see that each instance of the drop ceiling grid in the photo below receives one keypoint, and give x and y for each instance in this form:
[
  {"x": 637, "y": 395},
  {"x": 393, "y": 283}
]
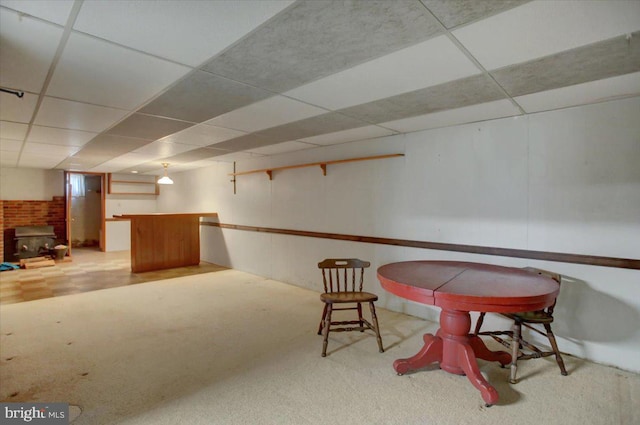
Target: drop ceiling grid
[{"x": 341, "y": 68}]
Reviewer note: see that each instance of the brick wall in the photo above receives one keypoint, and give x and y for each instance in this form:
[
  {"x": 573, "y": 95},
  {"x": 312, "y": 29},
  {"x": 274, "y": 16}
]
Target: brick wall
[{"x": 31, "y": 213}]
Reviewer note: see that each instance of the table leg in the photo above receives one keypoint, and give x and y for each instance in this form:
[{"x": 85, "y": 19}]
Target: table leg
[
  {"x": 456, "y": 351},
  {"x": 431, "y": 352}
]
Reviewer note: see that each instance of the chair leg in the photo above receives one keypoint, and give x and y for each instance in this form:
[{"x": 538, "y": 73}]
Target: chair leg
[
  {"x": 479, "y": 323},
  {"x": 325, "y": 329},
  {"x": 554, "y": 346},
  {"x": 324, "y": 313},
  {"x": 360, "y": 317},
  {"x": 374, "y": 319},
  {"x": 515, "y": 348}
]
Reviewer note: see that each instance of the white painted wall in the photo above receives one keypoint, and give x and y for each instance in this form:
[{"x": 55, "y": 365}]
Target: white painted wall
[
  {"x": 30, "y": 184},
  {"x": 118, "y": 233},
  {"x": 562, "y": 181}
]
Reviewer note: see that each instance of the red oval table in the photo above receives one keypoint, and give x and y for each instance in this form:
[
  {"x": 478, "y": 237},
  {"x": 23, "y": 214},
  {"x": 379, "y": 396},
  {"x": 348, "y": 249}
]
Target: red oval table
[{"x": 458, "y": 288}]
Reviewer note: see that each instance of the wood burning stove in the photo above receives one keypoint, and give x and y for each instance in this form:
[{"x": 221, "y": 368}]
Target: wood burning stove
[{"x": 32, "y": 241}]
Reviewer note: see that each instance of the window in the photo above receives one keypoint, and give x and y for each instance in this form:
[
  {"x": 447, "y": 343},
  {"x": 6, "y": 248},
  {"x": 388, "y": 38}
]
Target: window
[{"x": 77, "y": 184}]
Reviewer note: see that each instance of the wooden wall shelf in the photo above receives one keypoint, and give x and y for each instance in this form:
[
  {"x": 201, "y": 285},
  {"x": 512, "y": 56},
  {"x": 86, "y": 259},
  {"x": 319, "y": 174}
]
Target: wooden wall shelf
[
  {"x": 115, "y": 186},
  {"x": 322, "y": 165}
]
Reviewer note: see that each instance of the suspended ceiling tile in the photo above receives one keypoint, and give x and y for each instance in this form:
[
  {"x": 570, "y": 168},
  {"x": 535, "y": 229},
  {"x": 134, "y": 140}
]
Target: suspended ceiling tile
[
  {"x": 54, "y": 11},
  {"x": 617, "y": 56},
  {"x": 313, "y": 39},
  {"x": 542, "y": 28},
  {"x": 267, "y": 113},
  {"x": 474, "y": 113},
  {"x": 10, "y": 145},
  {"x": 362, "y": 133},
  {"x": 59, "y": 136},
  {"x": 28, "y": 48},
  {"x": 38, "y": 160},
  {"x": 111, "y": 145},
  {"x": 62, "y": 113},
  {"x": 49, "y": 149},
  {"x": 283, "y": 147},
  {"x": 118, "y": 163},
  {"x": 161, "y": 149},
  {"x": 314, "y": 126},
  {"x": 454, "y": 13},
  {"x": 426, "y": 64},
  {"x": 203, "y": 135},
  {"x": 13, "y": 108},
  {"x": 194, "y": 155},
  {"x": 201, "y": 96},
  {"x": 147, "y": 127},
  {"x": 237, "y": 156},
  {"x": 13, "y": 130},
  {"x": 93, "y": 71},
  {"x": 207, "y": 27},
  {"x": 579, "y": 94},
  {"x": 452, "y": 95},
  {"x": 76, "y": 163},
  {"x": 247, "y": 141}
]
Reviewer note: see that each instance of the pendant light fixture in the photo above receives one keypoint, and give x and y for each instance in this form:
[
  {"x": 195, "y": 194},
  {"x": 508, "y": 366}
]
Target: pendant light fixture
[{"x": 165, "y": 179}]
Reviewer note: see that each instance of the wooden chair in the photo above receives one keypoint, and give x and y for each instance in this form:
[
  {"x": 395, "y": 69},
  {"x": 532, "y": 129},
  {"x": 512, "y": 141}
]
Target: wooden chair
[
  {"x": 528, "y": 319},
  {"x": 343, "y": 279}
]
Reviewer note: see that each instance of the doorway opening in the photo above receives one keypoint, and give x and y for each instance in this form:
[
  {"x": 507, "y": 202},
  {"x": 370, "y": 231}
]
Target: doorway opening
[{"x": 85, "y": 211}]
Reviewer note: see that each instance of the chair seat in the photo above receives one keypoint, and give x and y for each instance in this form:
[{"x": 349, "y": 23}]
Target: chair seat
[
  {"x": 348, "y": 297},
  {"x": 539, "y": 316}
]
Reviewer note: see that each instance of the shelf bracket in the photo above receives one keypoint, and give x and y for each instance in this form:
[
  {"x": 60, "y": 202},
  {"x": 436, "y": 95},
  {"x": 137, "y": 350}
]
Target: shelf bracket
[
  {"x": 270, "y": 174},
  {"x": 324, "y": 169}
]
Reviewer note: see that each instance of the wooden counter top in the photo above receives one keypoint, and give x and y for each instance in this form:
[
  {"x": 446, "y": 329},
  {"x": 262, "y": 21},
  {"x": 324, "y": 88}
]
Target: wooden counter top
[{"x": 209, "y": 214}]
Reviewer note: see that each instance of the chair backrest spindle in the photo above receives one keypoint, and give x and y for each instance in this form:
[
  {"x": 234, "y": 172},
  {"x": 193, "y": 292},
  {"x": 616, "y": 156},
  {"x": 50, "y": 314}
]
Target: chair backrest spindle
[{"x": 341, "y": 275}]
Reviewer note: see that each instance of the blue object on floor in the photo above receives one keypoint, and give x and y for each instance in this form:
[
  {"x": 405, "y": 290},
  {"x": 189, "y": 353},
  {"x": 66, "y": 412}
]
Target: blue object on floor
[{"x": 8, "y": 266}]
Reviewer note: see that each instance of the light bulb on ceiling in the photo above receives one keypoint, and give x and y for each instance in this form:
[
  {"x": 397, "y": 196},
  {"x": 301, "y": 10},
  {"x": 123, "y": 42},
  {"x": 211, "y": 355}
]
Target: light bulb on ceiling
[{"x": 165, "y": 179}]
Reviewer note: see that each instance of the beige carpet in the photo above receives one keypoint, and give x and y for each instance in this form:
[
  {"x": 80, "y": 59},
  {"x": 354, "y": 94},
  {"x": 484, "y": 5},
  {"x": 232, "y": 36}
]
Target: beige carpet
[{"x": 234, "y": 348}]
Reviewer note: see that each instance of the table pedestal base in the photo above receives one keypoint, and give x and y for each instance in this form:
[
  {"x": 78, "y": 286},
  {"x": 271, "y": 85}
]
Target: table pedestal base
[{"x": 456, "y": 351}]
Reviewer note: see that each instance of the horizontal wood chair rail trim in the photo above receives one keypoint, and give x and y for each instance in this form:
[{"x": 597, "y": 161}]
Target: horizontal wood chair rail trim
[
  {"x": 592, "y": 260},
  {"x": 322, "y": 164}
]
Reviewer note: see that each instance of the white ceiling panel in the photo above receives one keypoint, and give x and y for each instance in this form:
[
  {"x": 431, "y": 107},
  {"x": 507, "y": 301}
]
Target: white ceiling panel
[
  {"x": 127, "y": 160},
  {"x": 94, "y": 71},
  {"x": 10, "y": 145},
  {"x": 54, "y": 11},
  {"x": 28, "y": 48},
  {"x": 13, "y": 130},
  {"x": 39, "y": 160},
  {"x": 207, "y": 27},
  {"x": 595, "y": 91},
  {"x": 541, "y": 28},
  {"x": 203, "y": 135},
  {"x": 266, "y": 113},
  {"x": 399, "y": 72},
  {"x": 62, "y": 113},
  {"x": 17, "y": 109},
  {"x": 368, "y": 132},
  {"x": 237, "y": 156},
  {"x": 282, "y": 148},
  {"x": 481, "y": 112},
  {"x": 59, "y": 136},
  {"x": 58, "y": 151},
  {"x": 161, "y": 149}
]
